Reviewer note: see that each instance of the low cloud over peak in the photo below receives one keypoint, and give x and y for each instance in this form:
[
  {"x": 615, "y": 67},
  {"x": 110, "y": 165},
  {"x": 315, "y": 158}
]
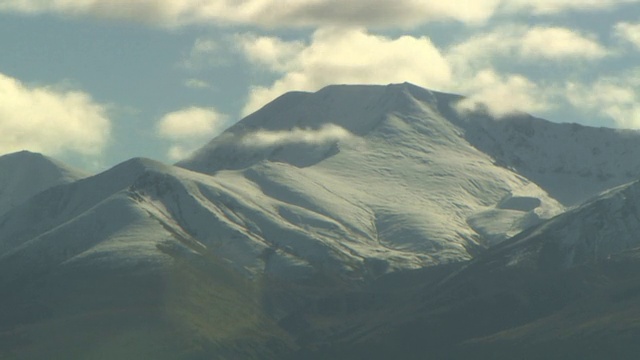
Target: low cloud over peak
[
  {"x": 338, "y": 55},
  {"x": 326, "y": 134}
]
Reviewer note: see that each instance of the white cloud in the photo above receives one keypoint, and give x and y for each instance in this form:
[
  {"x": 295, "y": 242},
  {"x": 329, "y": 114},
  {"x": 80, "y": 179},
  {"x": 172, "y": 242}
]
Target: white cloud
[
  {"x": 309, "y": 13},
  {"x": 187, "y": 128},
  {"x": 191, "y": 122},
  {"x": 49, "y": 120},
  {"x": 266, "y": 13},
  {"x": 556, "y": 43},
  {"x": 345, "y": 56},
  {"x": 272, "y": 52},
  {"x": 525, "y": 44},
  {"x": 204, "y": 52},
  {"x": 546, "y": 7},
  {"x": 355, "y": 56},
  {"x": 196, "y": 84},
  {"x": 179, "y": 152},
  {"x": 503, "y": 95},
  {"x": 629, "y": 32},
  {"x": 328, "y": 133},
  {"x": 614, "y": 98}
]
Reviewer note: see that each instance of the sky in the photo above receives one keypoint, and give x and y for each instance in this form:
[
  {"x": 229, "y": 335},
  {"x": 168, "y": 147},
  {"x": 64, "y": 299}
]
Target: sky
[{"x": 96, "y": 82}]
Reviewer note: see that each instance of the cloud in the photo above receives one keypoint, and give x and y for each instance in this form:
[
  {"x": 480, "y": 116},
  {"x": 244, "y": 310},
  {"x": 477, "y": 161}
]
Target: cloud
[
  {"x": 343, "y": 56},
  {"x": 266, "y": 13},
  {"x": 525, "y": 44},
  {"x": 356, "y": 56},
  {"x": 50, "y": 120},
  {"x": 272, "y": 52},
  {"x": 204, "y": 52},
  {"x": 191, "y": 122},
  {"x": 556, "y": 43},
  {"x": 196, "y": 84},
  {"x": 503, "y": 95},
  {"x": 547, "y": 7},
  {"x": 613, "y": 98},
  {"x": 303, "y": 13},
  {"x": 473, "y": 62},
  {"x": 179, "y": 152},
  {"x": 629, "y": 32},
  {"x": 186, "y": 128},
  {"x": 327, "y": 134}
]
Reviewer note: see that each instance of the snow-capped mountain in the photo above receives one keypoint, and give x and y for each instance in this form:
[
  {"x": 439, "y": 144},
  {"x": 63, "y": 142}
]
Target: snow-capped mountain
[
  {"x": 567, "y": 288},
  {"x": 314, "y": 191},
  {"x": 398, "y": 181},
  {"x": 571, "y": 162},
  {"x": 353, "y": 181},
  {"x": 25, "y": 174},
  {"x": 595, "y": 231},
  {"x": 105, "y": 263}
]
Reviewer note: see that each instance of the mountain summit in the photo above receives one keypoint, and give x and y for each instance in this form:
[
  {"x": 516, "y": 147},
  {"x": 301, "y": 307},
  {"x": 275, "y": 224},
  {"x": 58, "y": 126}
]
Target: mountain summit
[
  {"x": 350, "y": 182},
  {"x": 378, "y": 174},
  {"x": 315, "y": 193},
  {"x": 24, "y": 174}
]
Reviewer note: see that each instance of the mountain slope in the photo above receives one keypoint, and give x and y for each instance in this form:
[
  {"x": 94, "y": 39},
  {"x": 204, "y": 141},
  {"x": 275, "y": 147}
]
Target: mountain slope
[
  {"x": 602, "y": 227},
  {"x": 340, "y": 220},
  {"x": 101, "y": 262},
  {"x": 383, "y": 164},
  {"x": 567, "y": 288},
  {"x": 25, "y": 174},
  {"x": 571, "y": 162}
]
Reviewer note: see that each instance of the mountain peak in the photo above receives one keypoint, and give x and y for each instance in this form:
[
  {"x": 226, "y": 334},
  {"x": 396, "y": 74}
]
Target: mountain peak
[
  {"x": 141, "y": 164},
  {"x": 295, "y": 121},
  {"x": 24, "y": 174},
  {"x": 352, "y": 107},
  {"x": 26, "y": 158}
]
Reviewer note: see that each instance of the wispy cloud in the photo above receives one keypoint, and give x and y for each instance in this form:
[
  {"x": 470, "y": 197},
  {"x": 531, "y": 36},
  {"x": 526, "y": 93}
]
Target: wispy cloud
[
  {"x": 49, "y": 120},
  {"x": 526, "y": 44},
  {"x": 628, "y": 32},
  {"x": 194, "y": 83},
  {"x": 204, "y": 52},
  {"x": 557, "y": 43},
  {"x": 329, "y": 133},
  {"x": 615, "y": 98}
]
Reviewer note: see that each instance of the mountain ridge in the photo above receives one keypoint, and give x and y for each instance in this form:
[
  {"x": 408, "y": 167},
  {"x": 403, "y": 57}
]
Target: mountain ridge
[
  {"x": 24, "y": 174},
  {"x": 321, "y": 215}
]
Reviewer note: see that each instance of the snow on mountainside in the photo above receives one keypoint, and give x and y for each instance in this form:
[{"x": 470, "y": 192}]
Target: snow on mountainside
[
  {"x": 105, "y": 268},
  {"x": 352, "y": 181},
  {"x": 24, "y": 174},
  {"x": 570, "y": 161},
  {"x": 383, "y": 164},
  {"x": 316, "y": 189},
  {"x": 605, "y": 226},
  {"x": 64, "y": 221}
]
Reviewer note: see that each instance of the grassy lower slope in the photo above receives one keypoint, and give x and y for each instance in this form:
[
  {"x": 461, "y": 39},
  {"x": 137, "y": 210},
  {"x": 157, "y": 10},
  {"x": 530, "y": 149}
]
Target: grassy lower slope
[
  {"x": 489, "y": 312},
  {"x": 193, "y": 309}
]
